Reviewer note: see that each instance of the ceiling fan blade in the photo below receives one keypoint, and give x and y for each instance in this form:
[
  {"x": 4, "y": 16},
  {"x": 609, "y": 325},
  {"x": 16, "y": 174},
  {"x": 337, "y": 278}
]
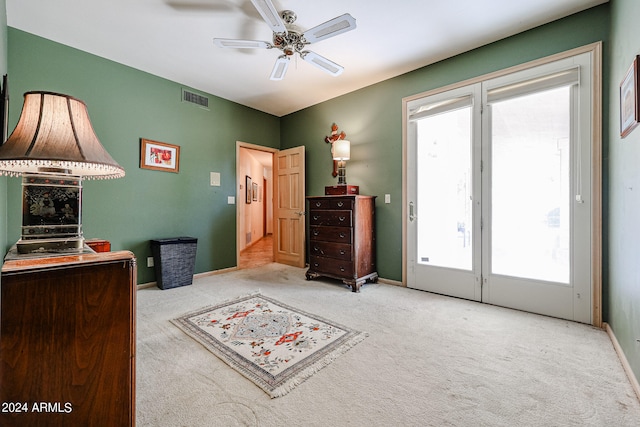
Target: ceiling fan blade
[
  {"x": 323, "y": 63},
  {"x": 242, "y": 44},
  {"x": 333, "y": 27},
  {"x": 270, "y": 15},
  {"x": 280, "y": 68}
]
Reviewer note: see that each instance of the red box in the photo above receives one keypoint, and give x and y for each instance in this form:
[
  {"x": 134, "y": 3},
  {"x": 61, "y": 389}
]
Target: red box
[
  {"x": 341, "y": 190},
  {"x": 99, "y": 245}
]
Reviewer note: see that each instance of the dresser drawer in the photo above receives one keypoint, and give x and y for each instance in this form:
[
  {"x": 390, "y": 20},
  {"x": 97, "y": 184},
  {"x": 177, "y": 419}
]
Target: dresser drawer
[
  {"x": 331, "y": 234},
  {"x": 331, "y": 203},
  {"x": 331, "y": 266},
  {"x": 332, "y": 250},
  {"x": 335, "y": 218}
]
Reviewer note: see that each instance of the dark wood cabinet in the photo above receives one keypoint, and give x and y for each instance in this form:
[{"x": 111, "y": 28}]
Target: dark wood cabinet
[
  {"x": 67, "y": 340},
  {"x": 342, "y": 239}
]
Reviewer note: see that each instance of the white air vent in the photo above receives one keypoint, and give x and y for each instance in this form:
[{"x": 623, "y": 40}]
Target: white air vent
[{"x": 195, "y": 99}]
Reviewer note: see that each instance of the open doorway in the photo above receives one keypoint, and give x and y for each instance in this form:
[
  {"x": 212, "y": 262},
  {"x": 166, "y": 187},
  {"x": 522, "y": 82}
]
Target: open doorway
[{"x": 254, "y": 205}]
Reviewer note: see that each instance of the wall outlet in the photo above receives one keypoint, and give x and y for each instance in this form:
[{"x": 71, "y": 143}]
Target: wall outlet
[
  {"x": 231, "y": 200},
  {"x": 150, "y": 261}
]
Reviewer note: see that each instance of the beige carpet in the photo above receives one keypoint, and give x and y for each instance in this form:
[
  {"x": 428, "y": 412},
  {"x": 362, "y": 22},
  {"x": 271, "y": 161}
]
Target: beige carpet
[{"x": 429, "y": 360}]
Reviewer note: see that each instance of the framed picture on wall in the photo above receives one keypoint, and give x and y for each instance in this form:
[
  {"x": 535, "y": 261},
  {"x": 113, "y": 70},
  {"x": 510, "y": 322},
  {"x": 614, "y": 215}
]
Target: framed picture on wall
[
  {"x": 248, "y": 189},
  {"x": 255, "y": 192},
  {"x": 159, "y": 156},
  {"x": 629, "y": 100}
]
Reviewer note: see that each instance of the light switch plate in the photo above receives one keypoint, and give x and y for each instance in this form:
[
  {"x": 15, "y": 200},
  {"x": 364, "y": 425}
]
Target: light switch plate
[
  {"x": 215, "y": 179},
  {"x": 231, "y": 200},
  {"x": 387, "y": 198}
]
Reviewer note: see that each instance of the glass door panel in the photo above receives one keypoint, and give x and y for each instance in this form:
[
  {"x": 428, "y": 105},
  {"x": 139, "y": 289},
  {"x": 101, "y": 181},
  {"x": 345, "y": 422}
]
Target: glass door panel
[
  {"x": 444, "y": 185},
  {"x": 530, "y": 186}
]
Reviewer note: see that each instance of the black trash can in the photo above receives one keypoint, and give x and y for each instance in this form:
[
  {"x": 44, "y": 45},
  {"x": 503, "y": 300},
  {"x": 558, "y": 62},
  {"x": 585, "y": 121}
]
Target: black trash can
[{"x": 174, "y": 261}]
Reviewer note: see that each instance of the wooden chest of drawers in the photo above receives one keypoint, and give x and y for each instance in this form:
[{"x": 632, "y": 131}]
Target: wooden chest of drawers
[{"x": 342, "y": 239}]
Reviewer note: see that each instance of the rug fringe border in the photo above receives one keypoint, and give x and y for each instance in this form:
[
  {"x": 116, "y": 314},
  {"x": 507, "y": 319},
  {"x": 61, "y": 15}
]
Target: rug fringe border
[{"x": 285, "y": 388}]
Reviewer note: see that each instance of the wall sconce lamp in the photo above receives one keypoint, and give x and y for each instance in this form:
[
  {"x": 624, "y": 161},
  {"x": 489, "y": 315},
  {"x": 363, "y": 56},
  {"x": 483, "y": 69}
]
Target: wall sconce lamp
[
  {"x": 342, "y": 153},
  {"x": 54, "y": 147}
]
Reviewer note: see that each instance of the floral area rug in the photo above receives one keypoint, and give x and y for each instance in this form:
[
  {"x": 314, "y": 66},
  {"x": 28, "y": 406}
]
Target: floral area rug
[{"x": 272, "y": 344}]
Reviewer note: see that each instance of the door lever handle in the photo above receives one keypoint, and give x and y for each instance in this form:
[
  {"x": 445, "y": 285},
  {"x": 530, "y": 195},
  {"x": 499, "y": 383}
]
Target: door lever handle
[{"x": 412, "y": 217}]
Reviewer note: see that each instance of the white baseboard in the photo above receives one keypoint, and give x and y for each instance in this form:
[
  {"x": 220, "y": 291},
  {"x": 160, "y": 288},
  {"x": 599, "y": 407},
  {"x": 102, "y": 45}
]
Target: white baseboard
[
  {"x": 623, "y": 359},
  {"x": 146, "y": 285},
  {"x": 227, "y": 270},
  {"x": 214, "y": 272},
  {"x": 195, "y": 276},
  {"x": 390, "y": 282}
]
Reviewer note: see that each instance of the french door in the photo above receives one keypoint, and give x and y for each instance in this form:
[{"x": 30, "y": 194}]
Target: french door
[{"x": 499, "y": 185}]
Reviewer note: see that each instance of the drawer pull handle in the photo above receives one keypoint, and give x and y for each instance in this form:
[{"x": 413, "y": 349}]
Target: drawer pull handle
[
  {"x": 340, "y": 204},
  {"x": 315, "y": 264},
  {"x": 342, "y": 252},
  {"x": 316, "y": 232},
  {"x": 318, "y": 204},
  {"x": 342, "y": 218},
  {"x": 315, "y": 217},
  {"x": 342, "y": 236},
  {"x": 342, "y": 269}
]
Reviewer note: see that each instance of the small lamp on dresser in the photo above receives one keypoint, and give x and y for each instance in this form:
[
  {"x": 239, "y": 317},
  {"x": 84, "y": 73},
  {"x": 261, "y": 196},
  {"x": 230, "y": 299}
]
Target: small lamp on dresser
[
  {"x": 341, "y": 152},
  {"x": 54, "y": 148}
]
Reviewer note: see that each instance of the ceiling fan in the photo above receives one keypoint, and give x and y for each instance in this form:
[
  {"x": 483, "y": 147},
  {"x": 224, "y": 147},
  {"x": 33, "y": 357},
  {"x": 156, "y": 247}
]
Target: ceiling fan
[{"x": 290, "y": 40}]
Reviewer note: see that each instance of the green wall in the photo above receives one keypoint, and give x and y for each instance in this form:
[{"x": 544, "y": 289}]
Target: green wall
[
  {"x": 125, "y": 105},
  {"x": 623, "y": 213},
  {"x": 372, "y": 120}
]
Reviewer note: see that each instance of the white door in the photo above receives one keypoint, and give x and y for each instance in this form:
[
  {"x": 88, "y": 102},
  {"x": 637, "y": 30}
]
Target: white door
[
  {"x": 498, "y": 186},
  {"x": 443, "y": 166},
  {"x": 537, "y": 234}
]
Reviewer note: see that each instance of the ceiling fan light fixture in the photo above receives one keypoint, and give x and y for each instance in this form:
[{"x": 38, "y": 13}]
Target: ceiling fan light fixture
[
  {"x": 280, "y": 68},
  {"x": 323, "y": 63},
  {"x": 242, "y": 44},
  {"x": 270, "y": 15}
]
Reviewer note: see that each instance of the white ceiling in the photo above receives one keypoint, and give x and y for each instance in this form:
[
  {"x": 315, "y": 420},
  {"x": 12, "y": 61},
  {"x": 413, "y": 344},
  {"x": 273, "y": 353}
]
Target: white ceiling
[{"x": 173, "y": 39}]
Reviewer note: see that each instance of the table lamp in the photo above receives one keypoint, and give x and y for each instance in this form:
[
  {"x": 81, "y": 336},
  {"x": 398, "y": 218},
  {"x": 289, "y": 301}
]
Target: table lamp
[
  {"x": 54, "y": 148},
  {"x": 342, "y": 153}
]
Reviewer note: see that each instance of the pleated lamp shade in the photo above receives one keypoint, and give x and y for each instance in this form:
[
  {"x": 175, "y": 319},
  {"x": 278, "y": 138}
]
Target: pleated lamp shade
[{"x": 54, "y": 132}]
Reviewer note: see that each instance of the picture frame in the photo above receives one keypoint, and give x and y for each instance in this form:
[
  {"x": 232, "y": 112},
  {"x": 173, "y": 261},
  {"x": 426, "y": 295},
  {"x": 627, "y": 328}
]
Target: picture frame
[
  {"x": 629, "y": 99},
  {"x": 159, "y": 156},
  {"x": 254, "y": 191},
  {"x": 248, "y": 189}
]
